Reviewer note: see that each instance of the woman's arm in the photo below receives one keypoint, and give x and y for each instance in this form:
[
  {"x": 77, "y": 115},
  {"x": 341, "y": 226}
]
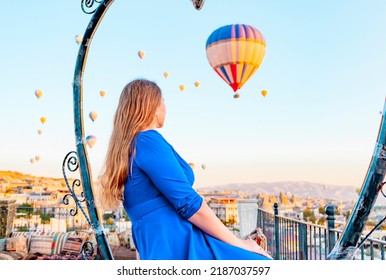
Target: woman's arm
[{"x": 208, "y": 222}]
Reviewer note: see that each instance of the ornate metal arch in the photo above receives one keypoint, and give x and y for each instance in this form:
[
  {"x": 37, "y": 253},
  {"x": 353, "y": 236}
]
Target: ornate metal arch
[{"x": 344, "y": 248}]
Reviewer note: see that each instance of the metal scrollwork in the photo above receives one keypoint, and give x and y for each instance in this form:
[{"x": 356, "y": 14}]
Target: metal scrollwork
[
  {"x": 87, "y": 250},
  {"x": 71, "y": 162},
  {"x": 87, "y": 6}
]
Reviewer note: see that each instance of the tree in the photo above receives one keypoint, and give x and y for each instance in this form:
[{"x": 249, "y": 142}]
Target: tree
[
  {"x": 308, "y": 215},
  {"x": 322, "y": 220},
  {"x": 322, "y": 209}
]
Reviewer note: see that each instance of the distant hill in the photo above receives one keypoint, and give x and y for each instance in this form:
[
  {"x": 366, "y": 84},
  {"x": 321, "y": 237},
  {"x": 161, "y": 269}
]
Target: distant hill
[
  {"x": 299, "y": 188},
  {"x": 15, "y": 175}
]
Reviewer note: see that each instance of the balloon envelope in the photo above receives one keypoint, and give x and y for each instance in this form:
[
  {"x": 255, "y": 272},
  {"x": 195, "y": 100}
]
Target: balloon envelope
[
  {"x": 40, "y": 131},
  {"x": 38, "y": 93},
  {"x": 93, "y": 115},
  {"x": 166, "y": 74},
  {"x": 141, "y": 54},
  {"x": 191, "y": 165},
  {"x": 264, "y": 93},
  {"x": 43, "y": 120},
  {"x": 182, "y": 87},
  {"x": 197, "y": 84},
  {"x": 37, "y": 158},
  {"x": 235, "y": 52},
  {"x": 78, "y": 39},
  {"x": 102, "y": 93},
  {"x": 203, "y": 166},
  {"x": 91, "y": 139}
]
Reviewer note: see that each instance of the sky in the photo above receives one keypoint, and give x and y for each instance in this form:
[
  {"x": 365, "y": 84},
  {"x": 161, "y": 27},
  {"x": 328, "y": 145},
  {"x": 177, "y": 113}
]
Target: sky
[{"x": 323, "y": 69}]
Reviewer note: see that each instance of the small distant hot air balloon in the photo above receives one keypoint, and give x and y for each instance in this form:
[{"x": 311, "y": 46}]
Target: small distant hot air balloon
[
  {"x": 197, "y": 84},
  {"x": 166, "y": 74},
  {"x": 32, "y": 160},
  {"x": 182, "y": 87},
  {"x": 203, "y": 166},
  {"x": 93, "y": 115},
  {"x": 236, "y": 95},
  {"x": 37, "y": 158},
  {"x": 264, "y": 92},
  {"x": 191, "y": 165},
  {"x": 40, "y": 131},
  {"x": 38, "y": 93},
  {"x": 102, "y": 93},
  {"x": 235, "y": 52},
  {"x": 43, "y": 120},
  {"x": 91, "y": 139},
  {"x": 78, "y": 39},
  {"x": 141, "y": 54}
]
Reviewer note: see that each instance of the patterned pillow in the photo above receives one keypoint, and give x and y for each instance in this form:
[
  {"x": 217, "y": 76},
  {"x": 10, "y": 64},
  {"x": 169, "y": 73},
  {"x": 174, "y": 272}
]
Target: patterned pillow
[
  {"x": 73, "y": 245},
  {"x": 42, "y": 244},
  {"x": 17, "y": 244},
  {"x": 4, "y": 257},
  {"x": 3, "y": 244}
]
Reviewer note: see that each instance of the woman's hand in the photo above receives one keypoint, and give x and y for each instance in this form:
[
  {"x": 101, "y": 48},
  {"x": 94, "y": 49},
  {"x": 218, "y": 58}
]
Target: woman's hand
[{"x": 250, "y": 245}]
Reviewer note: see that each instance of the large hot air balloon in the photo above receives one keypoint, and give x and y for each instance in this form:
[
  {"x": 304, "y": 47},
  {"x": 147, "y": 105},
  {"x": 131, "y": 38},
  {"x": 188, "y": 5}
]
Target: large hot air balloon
[
  {"x": 91, "y": 139},
  {"x": 43, "y": 120},
  {"x": 141, "y": 54},
  {"x": 235, "y": 52},
  {"x": 93, "y": 115},
  {"x": 38, "y": 93}
]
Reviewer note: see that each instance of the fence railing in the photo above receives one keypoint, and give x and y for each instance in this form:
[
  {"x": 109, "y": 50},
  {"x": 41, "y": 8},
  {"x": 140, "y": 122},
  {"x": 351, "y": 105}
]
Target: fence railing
[
  {"x": 291, "y": 239},
  {"x": 57, "y": 218}
]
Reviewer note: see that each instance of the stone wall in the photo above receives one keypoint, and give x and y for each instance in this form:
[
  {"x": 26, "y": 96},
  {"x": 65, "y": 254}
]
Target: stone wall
[
  {"x": 247, "y": 215},
  {"x": 7, "y": 215}
]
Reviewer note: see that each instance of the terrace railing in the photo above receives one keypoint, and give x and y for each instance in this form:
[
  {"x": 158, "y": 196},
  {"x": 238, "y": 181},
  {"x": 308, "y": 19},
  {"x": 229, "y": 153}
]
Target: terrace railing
[{"x": 292, "y": 239}]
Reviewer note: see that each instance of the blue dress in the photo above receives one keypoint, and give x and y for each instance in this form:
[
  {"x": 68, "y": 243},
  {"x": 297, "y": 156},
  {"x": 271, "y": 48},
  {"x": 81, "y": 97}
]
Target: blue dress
[{"x": 159, "y": 198}]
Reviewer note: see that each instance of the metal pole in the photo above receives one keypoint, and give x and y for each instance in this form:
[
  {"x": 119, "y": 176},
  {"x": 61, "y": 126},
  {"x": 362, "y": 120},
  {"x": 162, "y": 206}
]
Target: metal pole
[
  {"x": 345, "y": 248},
  {"x": 277, "y": 235},
  {"x": 330, "y": 211}
]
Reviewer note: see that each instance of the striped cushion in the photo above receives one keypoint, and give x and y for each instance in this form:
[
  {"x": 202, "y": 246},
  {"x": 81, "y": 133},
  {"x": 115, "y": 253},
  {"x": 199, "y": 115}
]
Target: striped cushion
[
  {"x": 73, "y": 245},
  {"x": 43, "y": 244}
]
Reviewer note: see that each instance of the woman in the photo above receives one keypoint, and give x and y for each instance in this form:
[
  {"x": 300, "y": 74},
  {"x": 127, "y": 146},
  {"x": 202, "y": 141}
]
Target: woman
[{"x": 169, "y": 218}]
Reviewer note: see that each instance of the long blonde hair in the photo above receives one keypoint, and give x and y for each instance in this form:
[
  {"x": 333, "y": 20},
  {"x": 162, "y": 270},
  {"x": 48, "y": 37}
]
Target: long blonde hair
[{"x": 136, "y": 111}]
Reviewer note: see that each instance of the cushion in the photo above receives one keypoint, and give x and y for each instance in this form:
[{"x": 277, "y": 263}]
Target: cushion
[
  {"x": 17, "y": 244},
  {"x": 42, "y": 244},
  {"x": 73, "y": 245},
  {"x": 3, "y": 244}
]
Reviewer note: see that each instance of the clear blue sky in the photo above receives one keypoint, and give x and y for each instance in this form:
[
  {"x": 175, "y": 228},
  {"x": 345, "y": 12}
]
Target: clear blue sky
[{"x": 324, "y": 70}]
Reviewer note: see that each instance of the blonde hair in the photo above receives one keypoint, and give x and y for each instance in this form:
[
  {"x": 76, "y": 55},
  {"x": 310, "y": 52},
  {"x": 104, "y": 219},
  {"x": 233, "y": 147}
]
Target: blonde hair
[{"x": 136, "y": 111}]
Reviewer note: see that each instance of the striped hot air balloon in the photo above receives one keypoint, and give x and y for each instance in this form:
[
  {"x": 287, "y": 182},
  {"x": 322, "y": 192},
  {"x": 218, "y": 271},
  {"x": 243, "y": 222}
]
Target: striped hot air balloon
[{"x": 235, "y": 52}]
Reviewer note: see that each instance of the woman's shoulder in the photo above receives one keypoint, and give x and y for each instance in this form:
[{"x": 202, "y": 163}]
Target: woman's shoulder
[
  {"x": 151, "y": 141},
  {"x": 150, "y": 136}
]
